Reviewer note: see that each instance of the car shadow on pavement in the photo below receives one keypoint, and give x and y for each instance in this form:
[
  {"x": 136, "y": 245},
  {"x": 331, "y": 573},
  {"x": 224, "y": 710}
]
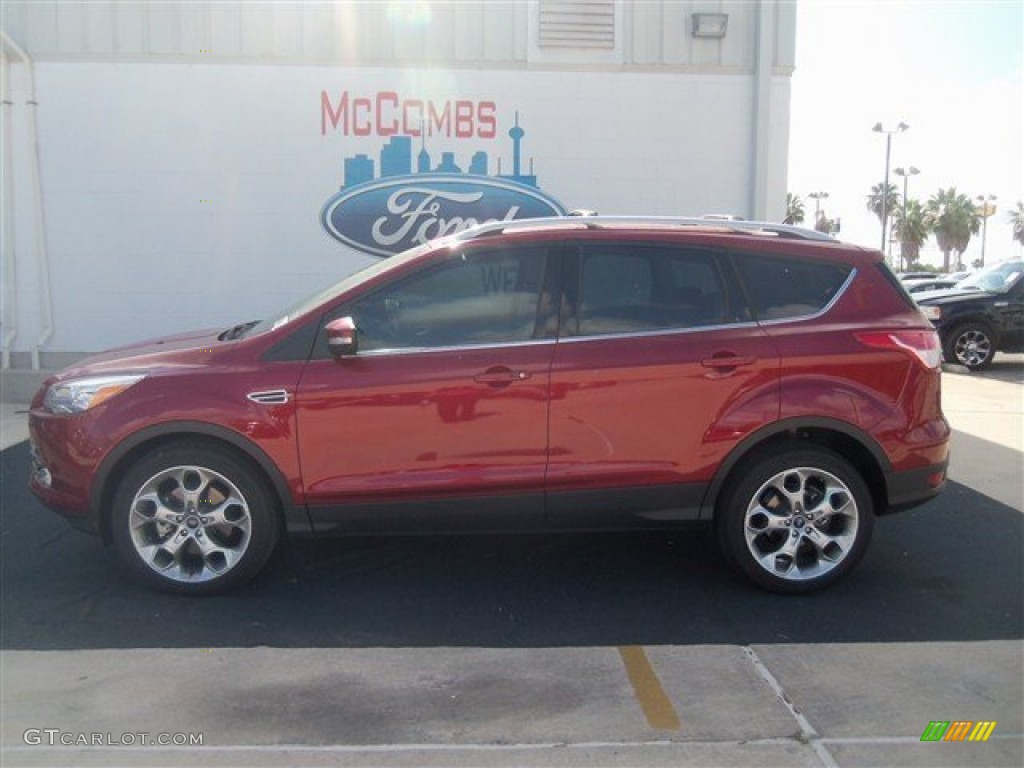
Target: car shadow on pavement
[
  {"x": 947, "y": 571},
  {"x": 1005, "y": 367}
]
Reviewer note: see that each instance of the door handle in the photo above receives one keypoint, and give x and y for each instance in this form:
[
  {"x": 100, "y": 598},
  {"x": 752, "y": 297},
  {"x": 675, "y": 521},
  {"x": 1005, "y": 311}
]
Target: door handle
[
  {"x": 500, "y": 376},
  {"x": 727, "y": 361}
]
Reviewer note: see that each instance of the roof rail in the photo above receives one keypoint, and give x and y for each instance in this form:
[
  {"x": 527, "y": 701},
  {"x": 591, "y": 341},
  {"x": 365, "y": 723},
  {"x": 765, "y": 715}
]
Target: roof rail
[{"x": 610, "y": 222}]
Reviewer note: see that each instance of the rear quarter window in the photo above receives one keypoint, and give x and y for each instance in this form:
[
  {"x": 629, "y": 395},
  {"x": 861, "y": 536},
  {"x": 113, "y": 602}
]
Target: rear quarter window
[
  {"x": 895, "y": 283},
  {"x": 782, "y": 288}
]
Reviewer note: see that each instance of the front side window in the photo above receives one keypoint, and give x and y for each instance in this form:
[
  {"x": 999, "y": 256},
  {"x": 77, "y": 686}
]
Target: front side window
[
  {"x": 637, "y": 289},
  {"x": 782, "y": 288},
  {"x": 476, "y": 298}
]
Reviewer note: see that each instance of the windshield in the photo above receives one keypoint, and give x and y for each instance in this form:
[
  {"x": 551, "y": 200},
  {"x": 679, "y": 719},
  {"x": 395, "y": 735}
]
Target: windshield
[
  {"x": 998, "y": 277},
  {"x": 303, "y": 306}
]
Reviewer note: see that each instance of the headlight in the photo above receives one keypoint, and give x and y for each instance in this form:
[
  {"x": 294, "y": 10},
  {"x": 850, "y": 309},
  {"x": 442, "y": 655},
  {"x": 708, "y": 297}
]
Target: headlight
[
  {"x": 932, "y": 313},
  {"x": 77, "y": 395}
]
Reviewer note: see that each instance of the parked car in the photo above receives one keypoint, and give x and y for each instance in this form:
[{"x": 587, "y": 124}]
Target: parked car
[
  {"x": 905, "y": 276},
  {"x": 979, "y": 316},
  {"x": 564, "y": 374},
  {"x": 929, "y": 284}
]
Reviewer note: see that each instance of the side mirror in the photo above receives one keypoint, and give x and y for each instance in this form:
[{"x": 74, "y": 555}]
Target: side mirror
[{"x": 342, "y": 337}]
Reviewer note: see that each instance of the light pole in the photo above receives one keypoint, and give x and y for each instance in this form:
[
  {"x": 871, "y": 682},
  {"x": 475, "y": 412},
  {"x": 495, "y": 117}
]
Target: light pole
[
  {"x": 905, "y": 173},
  {"x": 987, "y": 209},
  {"x": 817, "y": 197},
  {"x": 885, "y": 184}
]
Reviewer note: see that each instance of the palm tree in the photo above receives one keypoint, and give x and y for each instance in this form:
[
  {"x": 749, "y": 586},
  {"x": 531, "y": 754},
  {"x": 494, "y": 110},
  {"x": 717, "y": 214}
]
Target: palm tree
[
  {"x": 953, "y": 218},
  {"x": 910, "y": 223},
  {"x": 1017, "y": 221},
  {"x": 892, "y": 200},
  {"x": 824, "y": 223},
  {"x": 794, "y": 209}
]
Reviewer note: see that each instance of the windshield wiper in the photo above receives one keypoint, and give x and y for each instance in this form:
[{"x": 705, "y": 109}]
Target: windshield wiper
[{"x": 237, "y": 332}]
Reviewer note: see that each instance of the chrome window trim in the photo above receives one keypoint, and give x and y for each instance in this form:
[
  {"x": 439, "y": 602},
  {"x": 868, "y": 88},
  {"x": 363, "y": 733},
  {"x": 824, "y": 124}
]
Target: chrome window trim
[
  {"x": 456, "y": 348},
  {"x": 624, "y": 335},
  {"x": 823, "y": 311},
  {"x": 657, "y": 332},
  {"x": 719, "y": 327}
]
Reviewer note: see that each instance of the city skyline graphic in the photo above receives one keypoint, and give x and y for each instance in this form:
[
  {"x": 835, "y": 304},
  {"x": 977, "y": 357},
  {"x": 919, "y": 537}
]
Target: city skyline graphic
[{"x": 396, "y": 159}]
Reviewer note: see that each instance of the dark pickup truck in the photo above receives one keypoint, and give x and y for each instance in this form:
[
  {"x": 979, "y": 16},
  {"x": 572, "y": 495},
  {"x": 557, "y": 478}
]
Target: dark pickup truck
[{"x": 982, "y": 315}]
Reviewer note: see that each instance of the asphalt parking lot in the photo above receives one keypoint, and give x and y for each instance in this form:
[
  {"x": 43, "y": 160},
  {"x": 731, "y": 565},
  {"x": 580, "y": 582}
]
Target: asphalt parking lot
[{"x": 534, "y": 650}]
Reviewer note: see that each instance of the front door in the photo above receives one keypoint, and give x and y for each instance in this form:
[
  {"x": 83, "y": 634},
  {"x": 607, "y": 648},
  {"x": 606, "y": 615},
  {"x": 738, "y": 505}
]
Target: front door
[{"x": 443, "y": 412}]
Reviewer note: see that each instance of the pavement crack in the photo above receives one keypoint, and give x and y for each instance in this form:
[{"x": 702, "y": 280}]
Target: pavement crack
[{"x": 807, "y": 734}]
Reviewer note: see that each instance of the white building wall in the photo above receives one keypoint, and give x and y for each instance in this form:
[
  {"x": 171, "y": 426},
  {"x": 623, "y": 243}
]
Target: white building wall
[
  {"x": 449, "y": 32},
  {"x": 184, "y": 160}
]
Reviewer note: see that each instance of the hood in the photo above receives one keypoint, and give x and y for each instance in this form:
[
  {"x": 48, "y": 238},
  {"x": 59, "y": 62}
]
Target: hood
[
  {"x": 182, "y": 350},
  {"x": 950, "y": 295}
]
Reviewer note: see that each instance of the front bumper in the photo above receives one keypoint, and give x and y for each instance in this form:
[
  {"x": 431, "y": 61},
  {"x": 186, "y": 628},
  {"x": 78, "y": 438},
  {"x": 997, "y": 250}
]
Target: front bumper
[{"x": 62, "y": 466}]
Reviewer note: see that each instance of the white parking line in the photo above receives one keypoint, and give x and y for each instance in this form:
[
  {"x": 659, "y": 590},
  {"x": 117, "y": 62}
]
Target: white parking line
[{"x": 528, "y": 747}]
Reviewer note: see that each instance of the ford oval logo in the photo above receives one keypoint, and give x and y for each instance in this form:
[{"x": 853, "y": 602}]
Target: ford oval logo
[{"x": 391, "y": 215}]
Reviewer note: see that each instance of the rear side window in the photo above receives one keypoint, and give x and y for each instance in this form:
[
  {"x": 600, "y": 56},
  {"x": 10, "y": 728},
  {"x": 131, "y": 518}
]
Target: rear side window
[
  {"x": 634, "y": 288},
  {"x": 781, "y": 288}
]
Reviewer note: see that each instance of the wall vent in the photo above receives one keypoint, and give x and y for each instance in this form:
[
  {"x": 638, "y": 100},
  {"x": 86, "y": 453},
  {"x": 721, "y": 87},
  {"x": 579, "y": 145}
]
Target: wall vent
[{"x": 577, "y": 24}]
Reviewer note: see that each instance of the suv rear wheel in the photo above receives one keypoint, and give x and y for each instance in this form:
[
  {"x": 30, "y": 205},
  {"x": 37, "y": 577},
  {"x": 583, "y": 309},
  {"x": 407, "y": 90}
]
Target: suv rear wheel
[
  {"x": 194, "y": 518},
  {"x": 797, "y": 520}
]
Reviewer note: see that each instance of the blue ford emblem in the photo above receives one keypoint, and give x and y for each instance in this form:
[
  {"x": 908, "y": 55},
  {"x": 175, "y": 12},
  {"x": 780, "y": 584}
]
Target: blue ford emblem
[{"x": 394, "y": 214}]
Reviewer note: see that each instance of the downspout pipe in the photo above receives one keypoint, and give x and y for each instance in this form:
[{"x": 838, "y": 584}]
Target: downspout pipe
[
  {"x": 42, "y": 258},
  {"x": 10, "y": 295},
  {"x": 761, "y": 108}
]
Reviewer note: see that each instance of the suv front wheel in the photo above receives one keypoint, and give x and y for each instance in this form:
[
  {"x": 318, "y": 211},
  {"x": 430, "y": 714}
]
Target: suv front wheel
[
  {"x": 797, "y": 519},
  {"x": 194, "y": 518}
]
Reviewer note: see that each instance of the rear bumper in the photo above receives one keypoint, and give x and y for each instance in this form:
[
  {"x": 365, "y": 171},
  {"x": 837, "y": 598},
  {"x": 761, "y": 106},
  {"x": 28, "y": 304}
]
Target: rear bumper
[{"x": 911, "y": 487}]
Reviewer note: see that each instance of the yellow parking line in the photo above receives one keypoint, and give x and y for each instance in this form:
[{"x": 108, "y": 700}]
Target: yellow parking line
[{"x": 647, "y": 687}]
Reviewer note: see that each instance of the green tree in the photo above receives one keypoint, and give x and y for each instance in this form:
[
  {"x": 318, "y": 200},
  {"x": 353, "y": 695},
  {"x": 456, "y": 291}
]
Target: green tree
[
  {"x": 794, "y": 209},
  {"x": 912, "y": 228},
  {"x": 1016, "y": 217},
  {"x": 953, "y": 218},
  {"x": 892, "y": 200}
]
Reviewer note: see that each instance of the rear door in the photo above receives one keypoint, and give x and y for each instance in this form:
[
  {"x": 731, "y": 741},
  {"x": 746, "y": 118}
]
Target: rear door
[{"x": 659, "y": 371}]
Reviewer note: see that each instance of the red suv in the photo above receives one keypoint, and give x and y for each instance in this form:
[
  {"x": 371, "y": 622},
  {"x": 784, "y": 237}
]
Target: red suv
[{"x": 564, "y": 374}]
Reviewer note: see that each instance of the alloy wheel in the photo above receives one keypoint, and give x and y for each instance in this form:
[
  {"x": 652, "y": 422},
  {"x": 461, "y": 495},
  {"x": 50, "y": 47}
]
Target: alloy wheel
[
  {"x": 972, "y": 348},
  {"x": 801, "y": 524},
  {"x": 190, "y": 524}
]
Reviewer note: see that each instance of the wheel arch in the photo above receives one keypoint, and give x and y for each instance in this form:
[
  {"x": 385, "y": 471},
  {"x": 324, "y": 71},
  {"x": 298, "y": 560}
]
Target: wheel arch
[
  {"x": 976, "y": 316},
  {"x": 129, "y": 450},
  {"x": 847, "y": 440}
]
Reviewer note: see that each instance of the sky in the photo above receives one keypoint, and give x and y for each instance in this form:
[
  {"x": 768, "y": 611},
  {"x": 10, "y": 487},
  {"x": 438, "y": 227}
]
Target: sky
[{"x": 951, "y": 70}]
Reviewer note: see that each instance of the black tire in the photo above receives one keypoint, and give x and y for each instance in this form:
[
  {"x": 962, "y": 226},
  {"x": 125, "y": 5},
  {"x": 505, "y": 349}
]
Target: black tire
[
  {"x": 194, "y": 518},
  {"x": 971, "y": 345},
  {"x": 797, "y": 519}
]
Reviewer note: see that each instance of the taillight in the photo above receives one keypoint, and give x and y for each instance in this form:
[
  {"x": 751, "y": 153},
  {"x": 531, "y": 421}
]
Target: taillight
[{"x": 923, "y": 345}]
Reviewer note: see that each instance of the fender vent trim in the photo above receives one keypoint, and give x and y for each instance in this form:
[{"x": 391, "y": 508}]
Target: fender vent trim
[{"x": 270, "y": 397}]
